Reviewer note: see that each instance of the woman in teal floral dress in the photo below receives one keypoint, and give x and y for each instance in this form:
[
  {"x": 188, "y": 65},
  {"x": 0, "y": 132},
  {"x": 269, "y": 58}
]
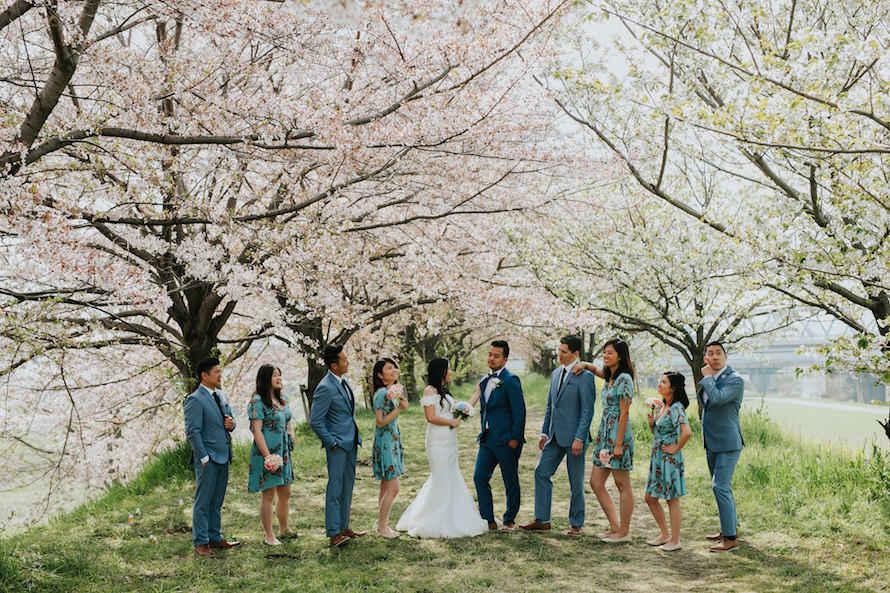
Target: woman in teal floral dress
[
  {"x": 613, "y": 450},
  {"x": 273, "y": 435},
  {"x": 670, "y": 431},
  {"x": 387, "y": 457}
]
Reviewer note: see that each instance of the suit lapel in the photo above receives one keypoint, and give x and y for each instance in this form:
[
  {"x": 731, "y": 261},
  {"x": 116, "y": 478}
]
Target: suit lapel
[{"x": 570, "y": 376}]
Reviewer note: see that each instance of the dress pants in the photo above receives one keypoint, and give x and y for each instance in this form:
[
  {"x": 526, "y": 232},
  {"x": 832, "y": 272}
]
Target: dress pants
[
  {"x": 721, "y": 467},
  {"x": 550, "y": 459},
  {"x": 507, "y": 458},
  {"x": 210, "y": 490},
  {"x": 338, "y": 496}
]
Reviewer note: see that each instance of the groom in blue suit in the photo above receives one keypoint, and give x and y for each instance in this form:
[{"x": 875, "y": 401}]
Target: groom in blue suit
[
  {"x": 333, "y": 419},
  {"x": 208, "y": 422},
  {"x": 565, "y": 433},
  {"x": 719, "y": 398},
  {"x": 502, "y": 436}
]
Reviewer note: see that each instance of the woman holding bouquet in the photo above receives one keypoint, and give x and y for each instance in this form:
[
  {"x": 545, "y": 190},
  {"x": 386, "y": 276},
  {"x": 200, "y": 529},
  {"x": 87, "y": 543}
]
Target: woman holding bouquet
[
  {"x": 670, "y": 431},
  {"x": 271, "y": 469},
  {"x": 387, "y": 457},
  {"x": 443, "y": 507}
]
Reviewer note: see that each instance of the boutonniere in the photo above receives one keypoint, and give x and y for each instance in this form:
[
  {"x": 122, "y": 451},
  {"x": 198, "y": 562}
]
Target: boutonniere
[{"x": 497, "y": 383}]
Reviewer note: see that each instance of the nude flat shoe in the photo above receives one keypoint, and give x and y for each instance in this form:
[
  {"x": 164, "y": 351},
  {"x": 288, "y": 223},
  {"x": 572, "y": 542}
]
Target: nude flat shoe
[
  {"x": 618, "y": 540},
  {"x": 604, "y": 535},
  {"x": 671, "y": 547},
  {"x": 658, "y": 541}
]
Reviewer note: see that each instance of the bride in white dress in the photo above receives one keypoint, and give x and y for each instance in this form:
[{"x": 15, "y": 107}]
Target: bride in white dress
[{"x": 443, "y": 507}]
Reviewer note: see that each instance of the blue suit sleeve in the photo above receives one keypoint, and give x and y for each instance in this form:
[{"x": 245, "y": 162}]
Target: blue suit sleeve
[
  {"x": 194, "y": 424},
  {"x": 731, "y": 392},
  {"x": 321, "y": 403},
  {"x": 517, "y": 409},
  {"x": 588, "y": 399}
]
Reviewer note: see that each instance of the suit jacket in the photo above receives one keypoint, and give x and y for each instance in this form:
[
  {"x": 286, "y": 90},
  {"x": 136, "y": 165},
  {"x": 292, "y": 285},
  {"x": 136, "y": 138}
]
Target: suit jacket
[
  {"x": 504, "y": 412},
  {"x": 333, "y": 415},
  {"x": 204, "y": 426},
  {"x": 570, "y": 410},
  {"x": 720, "y": 426}
]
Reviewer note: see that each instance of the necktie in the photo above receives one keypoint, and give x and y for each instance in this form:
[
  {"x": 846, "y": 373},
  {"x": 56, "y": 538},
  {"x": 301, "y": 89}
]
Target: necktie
[
  {"x": 562, "y": 377},
  {"x": 223, "y": 415},
  {"x": 349, "y": 391}
]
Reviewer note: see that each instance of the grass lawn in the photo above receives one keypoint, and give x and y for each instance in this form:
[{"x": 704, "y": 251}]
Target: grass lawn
[
  {"x": 811, "y": 519},
  {"x": 846, "y": 428}
]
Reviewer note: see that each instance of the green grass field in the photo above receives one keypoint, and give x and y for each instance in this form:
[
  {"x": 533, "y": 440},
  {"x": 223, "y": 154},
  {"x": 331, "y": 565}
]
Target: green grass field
[
  {"x": 846, "y": 428},
  {"x": 812, "y": 518}
]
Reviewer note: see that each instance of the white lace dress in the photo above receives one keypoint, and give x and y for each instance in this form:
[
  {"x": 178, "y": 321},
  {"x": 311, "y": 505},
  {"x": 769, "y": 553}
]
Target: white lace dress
[{"x": 443, "y": 507}]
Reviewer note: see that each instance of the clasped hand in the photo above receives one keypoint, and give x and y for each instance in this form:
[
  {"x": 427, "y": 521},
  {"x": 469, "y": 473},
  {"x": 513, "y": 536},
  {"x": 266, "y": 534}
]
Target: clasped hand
[{"x": 228, "y": 423}]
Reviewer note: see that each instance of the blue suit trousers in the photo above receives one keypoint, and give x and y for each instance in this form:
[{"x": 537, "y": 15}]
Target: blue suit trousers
[
  {"x": 488, "y": 457},
  {"x": 210, "y": 491},
  {"x": 550, "y": 459},
  {"x": 338, "y": 496},
  {"x": 721, "y": 467}
]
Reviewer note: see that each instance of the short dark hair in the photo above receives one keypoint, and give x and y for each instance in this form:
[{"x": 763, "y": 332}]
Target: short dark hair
[
  {"x": 503, "y": 345},
  {"x": 331, "y": 354},
  {"x": 574, "y": 343},
  {"x": 206, "y": 365},
  {"x": 716, "y": 343}
]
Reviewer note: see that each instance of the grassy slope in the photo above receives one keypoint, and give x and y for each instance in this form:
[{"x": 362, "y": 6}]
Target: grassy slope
[{"x": 811, "y": 520}]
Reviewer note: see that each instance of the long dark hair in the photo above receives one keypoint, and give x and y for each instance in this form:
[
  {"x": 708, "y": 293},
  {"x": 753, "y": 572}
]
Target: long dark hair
[
  {"x": 376, "y": 381},
  {"x": 678, "y": 387},
  {"x": 264, "y": 385},
  {"x": 436, "y": 377},
  {"x": 624, "y": 363}
]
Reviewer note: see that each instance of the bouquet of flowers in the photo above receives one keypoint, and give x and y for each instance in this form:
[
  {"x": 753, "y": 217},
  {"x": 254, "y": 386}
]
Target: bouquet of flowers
[
  {"x": 396, "y": 392},
  {"x": 655, "y": 403},
  {"x": 462, "y": 410},
  {"x": 605, "y": 456},
  {"x": 272, "y": 462}
]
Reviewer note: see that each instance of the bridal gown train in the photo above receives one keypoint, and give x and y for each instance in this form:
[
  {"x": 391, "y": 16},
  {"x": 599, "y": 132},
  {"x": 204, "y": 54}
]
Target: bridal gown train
[{"x": 443, "y": 507}]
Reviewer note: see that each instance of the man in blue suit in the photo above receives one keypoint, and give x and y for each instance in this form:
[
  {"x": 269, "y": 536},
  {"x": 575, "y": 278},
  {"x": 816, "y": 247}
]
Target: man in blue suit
[
  {"x": 565, "y": 433},
  {"x": 333, "y": 419},
  {"x": 502, "y": 436},
  {"x": 719, "y": 398},
  {"x": 208, "y": 422}
]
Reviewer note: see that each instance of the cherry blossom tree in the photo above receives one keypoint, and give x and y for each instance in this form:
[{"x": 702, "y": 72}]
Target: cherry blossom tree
[
  {"x": 785, "y": 99},
  {"x": 210, "y": 176},
  {"x": 649, "y": 272}
]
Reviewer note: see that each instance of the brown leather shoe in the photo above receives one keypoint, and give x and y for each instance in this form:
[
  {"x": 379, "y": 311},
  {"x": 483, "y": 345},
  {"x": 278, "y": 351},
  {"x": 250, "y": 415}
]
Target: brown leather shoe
[
  {"x": 492, "y": 526},
  {"x": 350, "y": 533},
  {"x": 224, "y": 544},
  {"x": 716, "y": 537},
  {"x": 338, "y": 540},
  {"x": 509, "y": 527},
  {"x": 535, "y": 526},
  {"x": 203, "y": 550},
  {"x": 725, "y": 546},
  {"x": 573, "y": 530}
]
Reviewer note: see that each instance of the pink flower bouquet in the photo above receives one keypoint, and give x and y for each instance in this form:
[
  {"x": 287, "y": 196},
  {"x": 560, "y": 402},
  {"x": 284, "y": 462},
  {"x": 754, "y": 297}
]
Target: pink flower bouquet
[
  {"x": 396, "y": 391},
  {"x": 655, "y": 403},
  {"x": 273, "y": 462}
]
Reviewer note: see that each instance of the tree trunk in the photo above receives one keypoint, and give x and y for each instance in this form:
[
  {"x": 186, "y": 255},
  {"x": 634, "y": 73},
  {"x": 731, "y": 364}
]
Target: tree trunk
[
  {"x": 698, "y": 361},
  {"x": 407, "y": 377},
  {"x": 316, "y": 372}
]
